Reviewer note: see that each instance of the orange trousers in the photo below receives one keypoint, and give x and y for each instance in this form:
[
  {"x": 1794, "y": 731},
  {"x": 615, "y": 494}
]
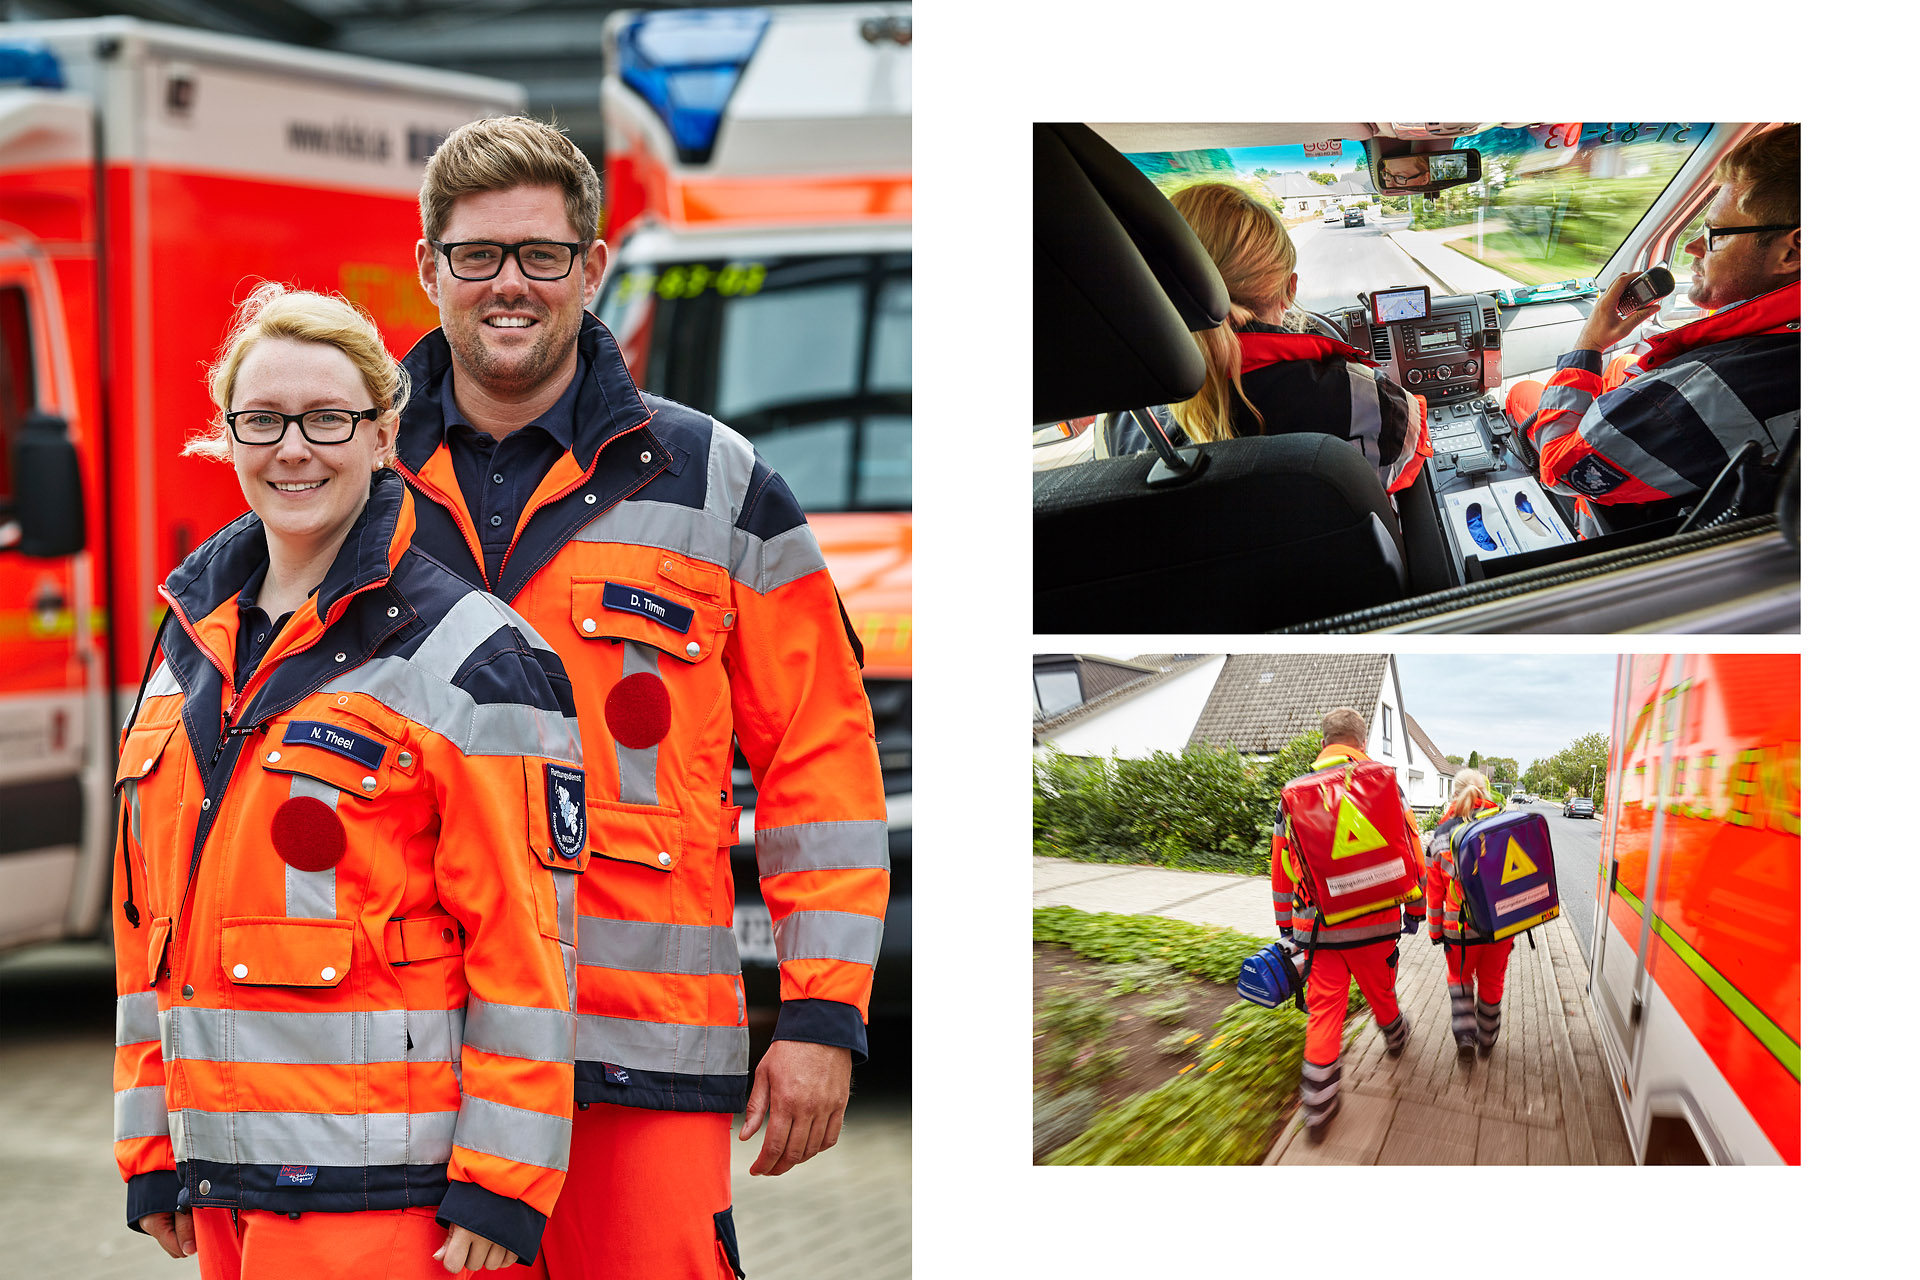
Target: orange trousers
[
  {"x": 373, "y": 1244},
  {"x": 643, "y": 1198},
  {"x": 1484, "y": 972},
  {"x": 1372, "y": 966}
]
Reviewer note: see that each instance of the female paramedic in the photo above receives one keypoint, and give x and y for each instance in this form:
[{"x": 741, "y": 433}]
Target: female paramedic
[
  {"x": 1476, "y": 965},
  {"x": 1264, "y": 377},
  {"x": 351, "y": 818}
]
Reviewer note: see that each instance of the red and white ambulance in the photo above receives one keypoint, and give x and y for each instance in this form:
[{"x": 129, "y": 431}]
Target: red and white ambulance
[
  {"x": 148, "y": 176},
  {"x": 1696, "y": 954},
  {"x": 760, "y": 203}
]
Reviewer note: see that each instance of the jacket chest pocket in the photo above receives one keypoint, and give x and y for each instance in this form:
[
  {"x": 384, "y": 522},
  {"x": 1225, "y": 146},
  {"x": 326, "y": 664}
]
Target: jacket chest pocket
[
  {"x": 276, "y": 951},
  {"x": 677, "y": 606},
  {"x": 144, "y": 753},
  {"x": 337, "y": 751}
]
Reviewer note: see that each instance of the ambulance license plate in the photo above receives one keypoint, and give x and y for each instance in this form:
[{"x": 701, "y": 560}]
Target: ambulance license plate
[{"x": 753, "y": 931}]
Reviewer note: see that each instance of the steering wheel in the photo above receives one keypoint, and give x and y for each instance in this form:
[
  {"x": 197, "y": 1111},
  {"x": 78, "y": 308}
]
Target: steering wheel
[{"x": 1323, "y": 326}]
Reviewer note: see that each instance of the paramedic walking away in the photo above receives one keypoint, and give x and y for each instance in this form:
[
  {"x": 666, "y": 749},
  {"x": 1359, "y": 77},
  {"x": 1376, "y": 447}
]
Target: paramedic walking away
[
  {"x": 351, "y": 821},
  {"x": 1364, "y": 949},
  {"x": 1476, "y": 964},
  {"x": 676, "y": 575}
]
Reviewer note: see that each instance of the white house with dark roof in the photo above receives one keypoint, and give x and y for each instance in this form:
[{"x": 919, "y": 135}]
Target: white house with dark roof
[{"x": 1256, "y": 703}]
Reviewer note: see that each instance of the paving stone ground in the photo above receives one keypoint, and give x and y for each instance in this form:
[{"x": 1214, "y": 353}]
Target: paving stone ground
[
  {"x": 847, "y": 1213},
  {"x": 1541, "y": 1097}
]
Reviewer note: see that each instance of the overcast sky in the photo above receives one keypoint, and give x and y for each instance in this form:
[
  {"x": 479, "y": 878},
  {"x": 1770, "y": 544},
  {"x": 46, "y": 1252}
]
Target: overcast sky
[{"x": 1524, "y": 706}]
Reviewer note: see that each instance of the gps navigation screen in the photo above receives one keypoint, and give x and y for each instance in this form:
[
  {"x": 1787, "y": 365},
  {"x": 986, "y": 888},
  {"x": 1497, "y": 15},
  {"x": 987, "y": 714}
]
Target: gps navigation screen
[{"x": 1390, "y": 305}]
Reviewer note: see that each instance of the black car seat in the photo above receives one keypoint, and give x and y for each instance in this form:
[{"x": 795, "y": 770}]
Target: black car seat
[{"x": 1268, "y": 531}]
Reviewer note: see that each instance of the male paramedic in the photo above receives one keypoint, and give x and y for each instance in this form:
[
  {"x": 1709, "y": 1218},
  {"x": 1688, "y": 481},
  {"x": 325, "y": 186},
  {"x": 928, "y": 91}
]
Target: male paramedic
[
  {"x": 1660, "y": 427},
  {"x": 675, "y": 575},
  {"x": 1365, "y": 949}
]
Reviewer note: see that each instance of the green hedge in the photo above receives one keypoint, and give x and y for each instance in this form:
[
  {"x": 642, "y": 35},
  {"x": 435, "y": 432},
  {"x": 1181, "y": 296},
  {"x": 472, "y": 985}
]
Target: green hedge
[{"x": 1208, "y": 808}]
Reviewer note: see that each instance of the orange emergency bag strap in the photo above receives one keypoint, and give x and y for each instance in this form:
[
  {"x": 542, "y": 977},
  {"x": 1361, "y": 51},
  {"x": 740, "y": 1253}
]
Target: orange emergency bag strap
[{"x": 416, "y": 938}]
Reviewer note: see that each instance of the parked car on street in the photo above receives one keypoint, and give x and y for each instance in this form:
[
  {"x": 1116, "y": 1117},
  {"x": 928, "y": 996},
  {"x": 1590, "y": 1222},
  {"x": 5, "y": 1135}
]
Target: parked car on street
[
  {"x": 1331, "y": 215},
  {"x": 1578, "y": 807},
  {"x": 1356, "y": 217}
]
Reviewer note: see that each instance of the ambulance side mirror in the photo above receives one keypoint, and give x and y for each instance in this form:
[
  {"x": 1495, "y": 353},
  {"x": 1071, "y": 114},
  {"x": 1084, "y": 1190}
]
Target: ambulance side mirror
[{"x": 46, "y": 505}]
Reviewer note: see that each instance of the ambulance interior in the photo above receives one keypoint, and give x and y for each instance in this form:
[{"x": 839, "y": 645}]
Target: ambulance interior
[{"x": 1482, "y": 251}]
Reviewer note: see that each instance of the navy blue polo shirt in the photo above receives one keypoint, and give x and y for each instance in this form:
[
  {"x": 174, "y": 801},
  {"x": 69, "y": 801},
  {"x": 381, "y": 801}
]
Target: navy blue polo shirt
[
  {"x": 257, "y": 630},
  {"x": 497, "y": 478}
]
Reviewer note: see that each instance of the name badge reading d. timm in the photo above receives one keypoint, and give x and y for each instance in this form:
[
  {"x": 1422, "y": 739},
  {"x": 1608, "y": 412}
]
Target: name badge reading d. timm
[
  {"x": 647, "y": 605},
  {"x": 350, "y": 743}
]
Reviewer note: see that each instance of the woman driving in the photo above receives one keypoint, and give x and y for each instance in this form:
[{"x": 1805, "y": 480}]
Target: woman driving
[
  {"x": 352, "y": 812},
  {"x": 1267, "y": 377}
]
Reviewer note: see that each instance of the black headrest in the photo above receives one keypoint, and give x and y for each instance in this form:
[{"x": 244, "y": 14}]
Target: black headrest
[{"x": 1119, "y": 283}]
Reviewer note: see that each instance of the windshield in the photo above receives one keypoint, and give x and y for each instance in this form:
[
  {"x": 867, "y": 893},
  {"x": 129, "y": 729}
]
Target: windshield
[
  {"x": 808, "y": 356},
  {"x": 1552, "y": 204}
]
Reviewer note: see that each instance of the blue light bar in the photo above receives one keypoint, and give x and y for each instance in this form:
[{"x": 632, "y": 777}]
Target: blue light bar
[
  {"x": 30, "y": 63},
  {"x": 685, "y": 63}
]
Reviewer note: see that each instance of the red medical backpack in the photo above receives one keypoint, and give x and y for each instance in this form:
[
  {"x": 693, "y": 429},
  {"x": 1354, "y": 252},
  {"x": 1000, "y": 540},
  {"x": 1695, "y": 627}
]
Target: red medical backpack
[{"x": 1348, "y": 833}]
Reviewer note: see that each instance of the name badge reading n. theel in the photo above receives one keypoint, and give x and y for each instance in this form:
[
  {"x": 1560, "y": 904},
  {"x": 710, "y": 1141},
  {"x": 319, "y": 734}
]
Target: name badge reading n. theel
[
  {"x": 633, "y": 600},
  {"x": 350, "y": 743}
]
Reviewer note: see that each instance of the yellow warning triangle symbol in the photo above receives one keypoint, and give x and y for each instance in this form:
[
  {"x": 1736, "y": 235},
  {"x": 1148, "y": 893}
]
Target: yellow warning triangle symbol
[
  {"x": 1352, "y": 833},
  {"x": 1518, "y": 863}
]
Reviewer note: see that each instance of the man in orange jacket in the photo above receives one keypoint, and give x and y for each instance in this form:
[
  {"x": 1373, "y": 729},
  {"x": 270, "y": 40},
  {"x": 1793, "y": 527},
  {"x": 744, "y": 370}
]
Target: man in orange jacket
[
  {"x": 1365, "y": 949},
  {"x": 674, "y": 573}
]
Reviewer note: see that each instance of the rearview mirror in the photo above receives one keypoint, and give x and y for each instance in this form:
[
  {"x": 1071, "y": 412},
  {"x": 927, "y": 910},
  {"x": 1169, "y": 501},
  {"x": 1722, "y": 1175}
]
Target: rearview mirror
[
  {"x": 1425, "y": 173},
  {"x": 46, "y": 489}
]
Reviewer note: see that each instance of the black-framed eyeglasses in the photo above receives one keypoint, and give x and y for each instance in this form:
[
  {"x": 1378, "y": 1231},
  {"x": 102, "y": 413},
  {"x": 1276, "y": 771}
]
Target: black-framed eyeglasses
[
  {"x": 538, "y": 259},
  {"x": 318, "y": 426},
  {"x": 1712, "y": 235}
]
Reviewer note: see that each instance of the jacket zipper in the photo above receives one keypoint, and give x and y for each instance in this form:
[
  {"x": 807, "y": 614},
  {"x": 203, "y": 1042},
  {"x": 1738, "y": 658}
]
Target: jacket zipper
[{"x": 459, "y": 509}]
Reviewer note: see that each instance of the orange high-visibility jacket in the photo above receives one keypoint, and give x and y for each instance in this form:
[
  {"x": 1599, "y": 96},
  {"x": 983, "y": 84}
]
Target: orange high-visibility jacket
[
  {"x": 345, "y": 898},
  {"x": 676, "y": 575},
  {"x": 1292, "y": 910}
]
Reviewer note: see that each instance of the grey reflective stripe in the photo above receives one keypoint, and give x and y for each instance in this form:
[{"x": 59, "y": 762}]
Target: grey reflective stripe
[
  {"x": 729, "y": 471},
  {"x": 163, "y": 684},
  {"x": 520, "y": 1031},
  {"x": 492, "y": 729},
  {"x": 464, "y": 629},
  {"x": 310, "y": 894},
  {"x": 133, "y": 812},
  {"x": 140, "y": 1113},
  {"x": 1723, "y": 411},
  {"x": 783, "y": 558},
  {"x": 1363, "y": 420},
  {"x": 1566, "y": 400},
  {"x": 513, "y": 1133},
  {"x": 355, "y": 1140},
  {"x": 1620, "y": 450},
  {"x": 699, "y": 535},
  {"x": 662, "y": 1046},
  {"x": 136, "y": 1018},
  {"x": 827, "y": 935},
  {"x": 345, "y": 1038},
  {"x": 647, "y": 946},
  {"x": 638, "y": 766},
  {"x": 564, "y": 892},
  {"x": 821, "y": 846}
]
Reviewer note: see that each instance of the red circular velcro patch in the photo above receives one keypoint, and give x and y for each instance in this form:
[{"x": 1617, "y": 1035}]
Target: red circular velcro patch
[
  {"x": 638, "y": 712},
  {"x": 307, "y": 834}
]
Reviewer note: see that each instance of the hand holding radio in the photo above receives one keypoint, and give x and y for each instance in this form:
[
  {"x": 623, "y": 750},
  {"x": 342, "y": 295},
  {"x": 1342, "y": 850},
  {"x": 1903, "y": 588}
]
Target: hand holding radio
[{"x": 1628, "y": 301}]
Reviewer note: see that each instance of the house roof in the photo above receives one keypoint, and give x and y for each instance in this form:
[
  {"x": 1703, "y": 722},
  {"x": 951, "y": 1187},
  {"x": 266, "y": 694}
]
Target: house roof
[
  {"x": 1262, "y": 701},
  {"x": 1434, "y": 753},
  {"x": 1043, "y": 729}
]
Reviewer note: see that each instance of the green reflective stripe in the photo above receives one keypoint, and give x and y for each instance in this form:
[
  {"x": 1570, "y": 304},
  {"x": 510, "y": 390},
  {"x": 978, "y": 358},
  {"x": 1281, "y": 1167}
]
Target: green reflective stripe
[
  {"x": 513, "y": 1133},
  {"x": 1764, "y": 1029},
  {"x": 821, "y": 846},
  {"x": 136, "y": 1018},
  {"x": 662, "y": 1046},
  {"x": 299, "y": 1137},
  {"x": 827, "y": 935},
  {"x": 520, "y": 1031},
  {"x": 343, "y": 1038},
  {"x": 140, "y": 1113}
]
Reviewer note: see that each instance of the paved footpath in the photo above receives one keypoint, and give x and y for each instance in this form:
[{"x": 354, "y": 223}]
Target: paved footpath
[{"x": 1541, "y": 1097}]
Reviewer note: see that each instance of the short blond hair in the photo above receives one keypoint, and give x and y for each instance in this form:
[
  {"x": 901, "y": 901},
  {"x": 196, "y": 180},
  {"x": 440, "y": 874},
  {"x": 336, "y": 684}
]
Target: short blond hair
[
  {"x": 500, "y": 153},
  {"x": 1344, "y": 724},
  {"x": 273, "y": 310},
  {"x": 1255, "y": 255}
]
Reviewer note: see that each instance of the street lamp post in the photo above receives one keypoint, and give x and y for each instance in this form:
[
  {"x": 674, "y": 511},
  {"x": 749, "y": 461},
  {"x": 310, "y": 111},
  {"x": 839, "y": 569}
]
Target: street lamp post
[{"x": 1592, "y": 770}]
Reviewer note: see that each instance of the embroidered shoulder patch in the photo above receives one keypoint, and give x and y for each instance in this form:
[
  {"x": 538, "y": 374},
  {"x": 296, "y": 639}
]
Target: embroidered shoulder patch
[
  {"x": 1593, "y": 475},
  {"x": 342, "y": 741},
  {"x": 567, "y": 809}
]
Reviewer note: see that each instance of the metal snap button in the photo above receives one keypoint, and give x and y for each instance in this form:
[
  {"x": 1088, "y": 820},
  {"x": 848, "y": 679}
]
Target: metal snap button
[
  {"x": 393, "y": 611},
  {"x": 588, "y": 625},
  {"x": 406, "y": 759},
  {"x": 239, "y": 971},
  {"x": 646, "y": 455},
  {"x": 342, "y": 699},
  {"x": 665, "y": 859},
  {"x": 326, "y": 974},
  {"x": 186, "y": 992},
  {"x": 206, "y": 1188},
  {"x": 495, "y": 521},
  {"x": 368, "y": 784},
  {"x": 148, "y": 765},
  {"x": 206, "y": 804},
  {"x": 273, "y": 757},
  {"x": 666, "y": 566},
  {"x": 726, "y": 619},
  {"x": 340, "y": 657},
  {"x": 693, "y": 648},
  {"x": 446, "y": 935},
  {"x": 591, "y": 499}
]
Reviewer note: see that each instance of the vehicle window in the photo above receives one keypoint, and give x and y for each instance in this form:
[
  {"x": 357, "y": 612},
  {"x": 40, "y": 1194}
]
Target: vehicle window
[
  {"x": 16, "y": 377},
  {"x": 1553, "y": 203},
  {"x": 810, "y": 357}
]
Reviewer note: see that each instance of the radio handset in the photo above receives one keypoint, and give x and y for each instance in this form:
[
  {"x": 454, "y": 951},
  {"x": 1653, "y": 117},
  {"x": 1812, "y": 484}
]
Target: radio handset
[{"x": 1643, "y": 290}]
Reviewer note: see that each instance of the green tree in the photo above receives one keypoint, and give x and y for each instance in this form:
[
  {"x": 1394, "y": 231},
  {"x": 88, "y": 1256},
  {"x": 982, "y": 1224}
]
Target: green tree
[
  {"x": 1540, "y": 779},
  {"x": 1473, "y": 761},
  {"x": 1501, "y": 770},
  {"x": 1324, "y": 179},
  {"x": 1456, "y": 761},
  {"x": 1584, "y": 759}
]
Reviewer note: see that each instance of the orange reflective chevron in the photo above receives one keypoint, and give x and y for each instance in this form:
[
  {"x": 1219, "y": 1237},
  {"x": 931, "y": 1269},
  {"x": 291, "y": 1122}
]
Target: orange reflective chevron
[{"x": 345, "y": 974}]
